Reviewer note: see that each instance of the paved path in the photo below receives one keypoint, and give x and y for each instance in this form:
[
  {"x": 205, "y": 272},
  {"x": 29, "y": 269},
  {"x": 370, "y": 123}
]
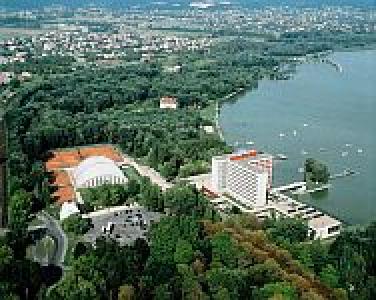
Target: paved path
[
  {"x": 56, "y": 232},
  {"x": 146, "y": 171}
]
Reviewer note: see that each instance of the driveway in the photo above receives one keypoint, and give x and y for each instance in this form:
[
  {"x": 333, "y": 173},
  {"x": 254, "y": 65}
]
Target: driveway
[{"x": 57, "y": 234}]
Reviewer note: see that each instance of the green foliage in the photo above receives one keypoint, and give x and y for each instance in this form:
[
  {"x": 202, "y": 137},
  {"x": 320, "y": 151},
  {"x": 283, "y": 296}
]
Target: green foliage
[
  {"x": 111, "y": 195},
  {"x": 329, "y": 275},
  {"x": 288, "y": 230},
  {"x": 76, "y": 224},
  {"x": 126, "y": 292},
  {"x": 281, "y": 290},
  {"x": 74, "y": 287},
  {"x": 316, "y": 171},
  {"x": 223, "y": 250},
  {"x": 20, "y": 210},
  {"x": 185, "y": 199},
  {"x": 183, "y": 253}
]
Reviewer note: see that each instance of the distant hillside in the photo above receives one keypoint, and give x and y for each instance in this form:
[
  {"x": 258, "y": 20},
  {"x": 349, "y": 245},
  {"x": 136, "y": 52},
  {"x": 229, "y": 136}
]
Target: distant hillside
[{"x": 31, "y": 4}]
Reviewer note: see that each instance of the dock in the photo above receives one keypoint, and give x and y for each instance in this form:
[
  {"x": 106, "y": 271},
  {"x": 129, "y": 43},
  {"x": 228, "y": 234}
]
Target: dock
[
  {"x": 344, "y": 173},
  {"x": 336, "y": 65}
]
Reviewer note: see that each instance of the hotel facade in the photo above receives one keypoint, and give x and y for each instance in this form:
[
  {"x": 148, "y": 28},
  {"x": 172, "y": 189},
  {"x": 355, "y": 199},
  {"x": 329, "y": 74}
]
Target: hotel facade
[{"x": 246, "y": 177}]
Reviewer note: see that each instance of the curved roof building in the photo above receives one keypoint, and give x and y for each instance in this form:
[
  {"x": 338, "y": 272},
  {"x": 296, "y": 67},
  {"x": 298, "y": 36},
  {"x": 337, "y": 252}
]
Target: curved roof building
[{"x": 97, "y": 170}]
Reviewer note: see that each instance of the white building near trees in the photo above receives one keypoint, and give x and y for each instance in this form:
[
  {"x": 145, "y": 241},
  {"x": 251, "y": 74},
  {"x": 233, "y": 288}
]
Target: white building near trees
[
  {"x": 96, "y": 171},
  {"x": 246, "y": 177}
]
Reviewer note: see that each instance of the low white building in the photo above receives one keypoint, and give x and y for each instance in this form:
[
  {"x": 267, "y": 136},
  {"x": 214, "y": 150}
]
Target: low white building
[
  {"x": 168, "y": 103},
  {"x": 96, "y": 171},
  {"x": 324, "y": 227}
]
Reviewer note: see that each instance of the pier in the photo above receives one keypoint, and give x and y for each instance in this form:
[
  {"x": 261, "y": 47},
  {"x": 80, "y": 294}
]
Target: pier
[
  {"x": 344, "y": 173},
  {"x": 336, "y": 65}
]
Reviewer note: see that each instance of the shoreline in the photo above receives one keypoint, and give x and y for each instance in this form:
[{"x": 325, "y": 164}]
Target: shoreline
[
  {"x": 218, "y": 104},
  {"x": 349, "y": 220}
]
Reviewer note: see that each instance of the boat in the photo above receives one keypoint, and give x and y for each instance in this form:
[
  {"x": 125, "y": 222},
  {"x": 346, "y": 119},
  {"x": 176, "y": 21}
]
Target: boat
[
  {"x": 304, "y": 152},
  {"x": 360, "y": 150},
  {"x": 344, "y": 153},
  {"x": 281, "y": 156},
  {"x": 323, "y": 149},
  {"x": 348, "y": 145},
  {"x": 250, "y": 143},
  {"x": 301, "y": 170},
  {"x": 282, "y": 135},
  {"x": 294, "y": 133},
  {"x": 305, "y": 124},
  {"x": 348, "y": 172}
]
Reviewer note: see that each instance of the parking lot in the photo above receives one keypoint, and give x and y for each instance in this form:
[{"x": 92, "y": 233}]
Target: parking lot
[{"x": 124, "y": 224}]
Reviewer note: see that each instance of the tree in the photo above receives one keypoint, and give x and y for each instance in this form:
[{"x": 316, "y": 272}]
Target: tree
[
  {"x": 73, "y": 287},
  {"x": 20, "y": 210},
  {"x": 288, "y": 229},
  {"x": 329, "y": 275},
  {"x": 224, "y": 250},
  {"x": 222, "y": 294},
  {"x": 183, "y": 253},
  {"x": 126, "y": 292},
  {"x": 77, "y": 224},
  {"x": 162, "y": 292},
  {"x": 315, "y": 171},
  {"x": 278, "y": 290}
]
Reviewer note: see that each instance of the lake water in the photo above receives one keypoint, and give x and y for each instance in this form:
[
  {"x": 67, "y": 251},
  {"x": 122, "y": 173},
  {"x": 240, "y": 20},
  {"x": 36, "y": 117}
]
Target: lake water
[{"x": 319, "y": 113}]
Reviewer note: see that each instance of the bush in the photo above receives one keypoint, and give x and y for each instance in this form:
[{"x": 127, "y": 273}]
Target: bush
[{"x": 76, "y": 224}]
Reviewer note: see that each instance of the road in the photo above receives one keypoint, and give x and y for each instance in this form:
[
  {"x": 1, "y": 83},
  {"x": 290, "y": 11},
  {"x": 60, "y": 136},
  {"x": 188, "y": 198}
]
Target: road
[{"x": 57, "y": 234}]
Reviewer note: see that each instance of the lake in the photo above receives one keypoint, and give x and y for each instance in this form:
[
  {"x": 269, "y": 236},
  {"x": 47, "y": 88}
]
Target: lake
[{"x": 320, "y": 113}]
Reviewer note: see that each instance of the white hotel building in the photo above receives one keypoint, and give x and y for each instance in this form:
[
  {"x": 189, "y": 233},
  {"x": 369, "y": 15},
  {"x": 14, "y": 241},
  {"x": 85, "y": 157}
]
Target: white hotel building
[{"x": 246, "y": 177}]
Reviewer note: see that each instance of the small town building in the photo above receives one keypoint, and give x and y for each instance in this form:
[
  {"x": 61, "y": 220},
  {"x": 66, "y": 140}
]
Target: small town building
[{"x": 168, "y": 103}]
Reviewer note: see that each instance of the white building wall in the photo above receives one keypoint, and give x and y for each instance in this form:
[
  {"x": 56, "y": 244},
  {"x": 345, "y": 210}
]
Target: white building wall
[
  {"x": 219, "y": 173},
  {"x": 261, "y": 188},
  {"x": 246, "y": 185}
]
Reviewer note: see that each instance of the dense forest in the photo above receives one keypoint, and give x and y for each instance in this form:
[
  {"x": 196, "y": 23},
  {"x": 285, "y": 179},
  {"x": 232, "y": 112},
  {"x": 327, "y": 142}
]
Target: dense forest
[{"x": 193, "y": 255}]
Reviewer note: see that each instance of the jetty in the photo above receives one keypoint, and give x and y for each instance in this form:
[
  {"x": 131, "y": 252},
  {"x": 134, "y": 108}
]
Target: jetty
[
  {"x": 336, "y": 65},
  {"x": 344, "y": 173}
]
